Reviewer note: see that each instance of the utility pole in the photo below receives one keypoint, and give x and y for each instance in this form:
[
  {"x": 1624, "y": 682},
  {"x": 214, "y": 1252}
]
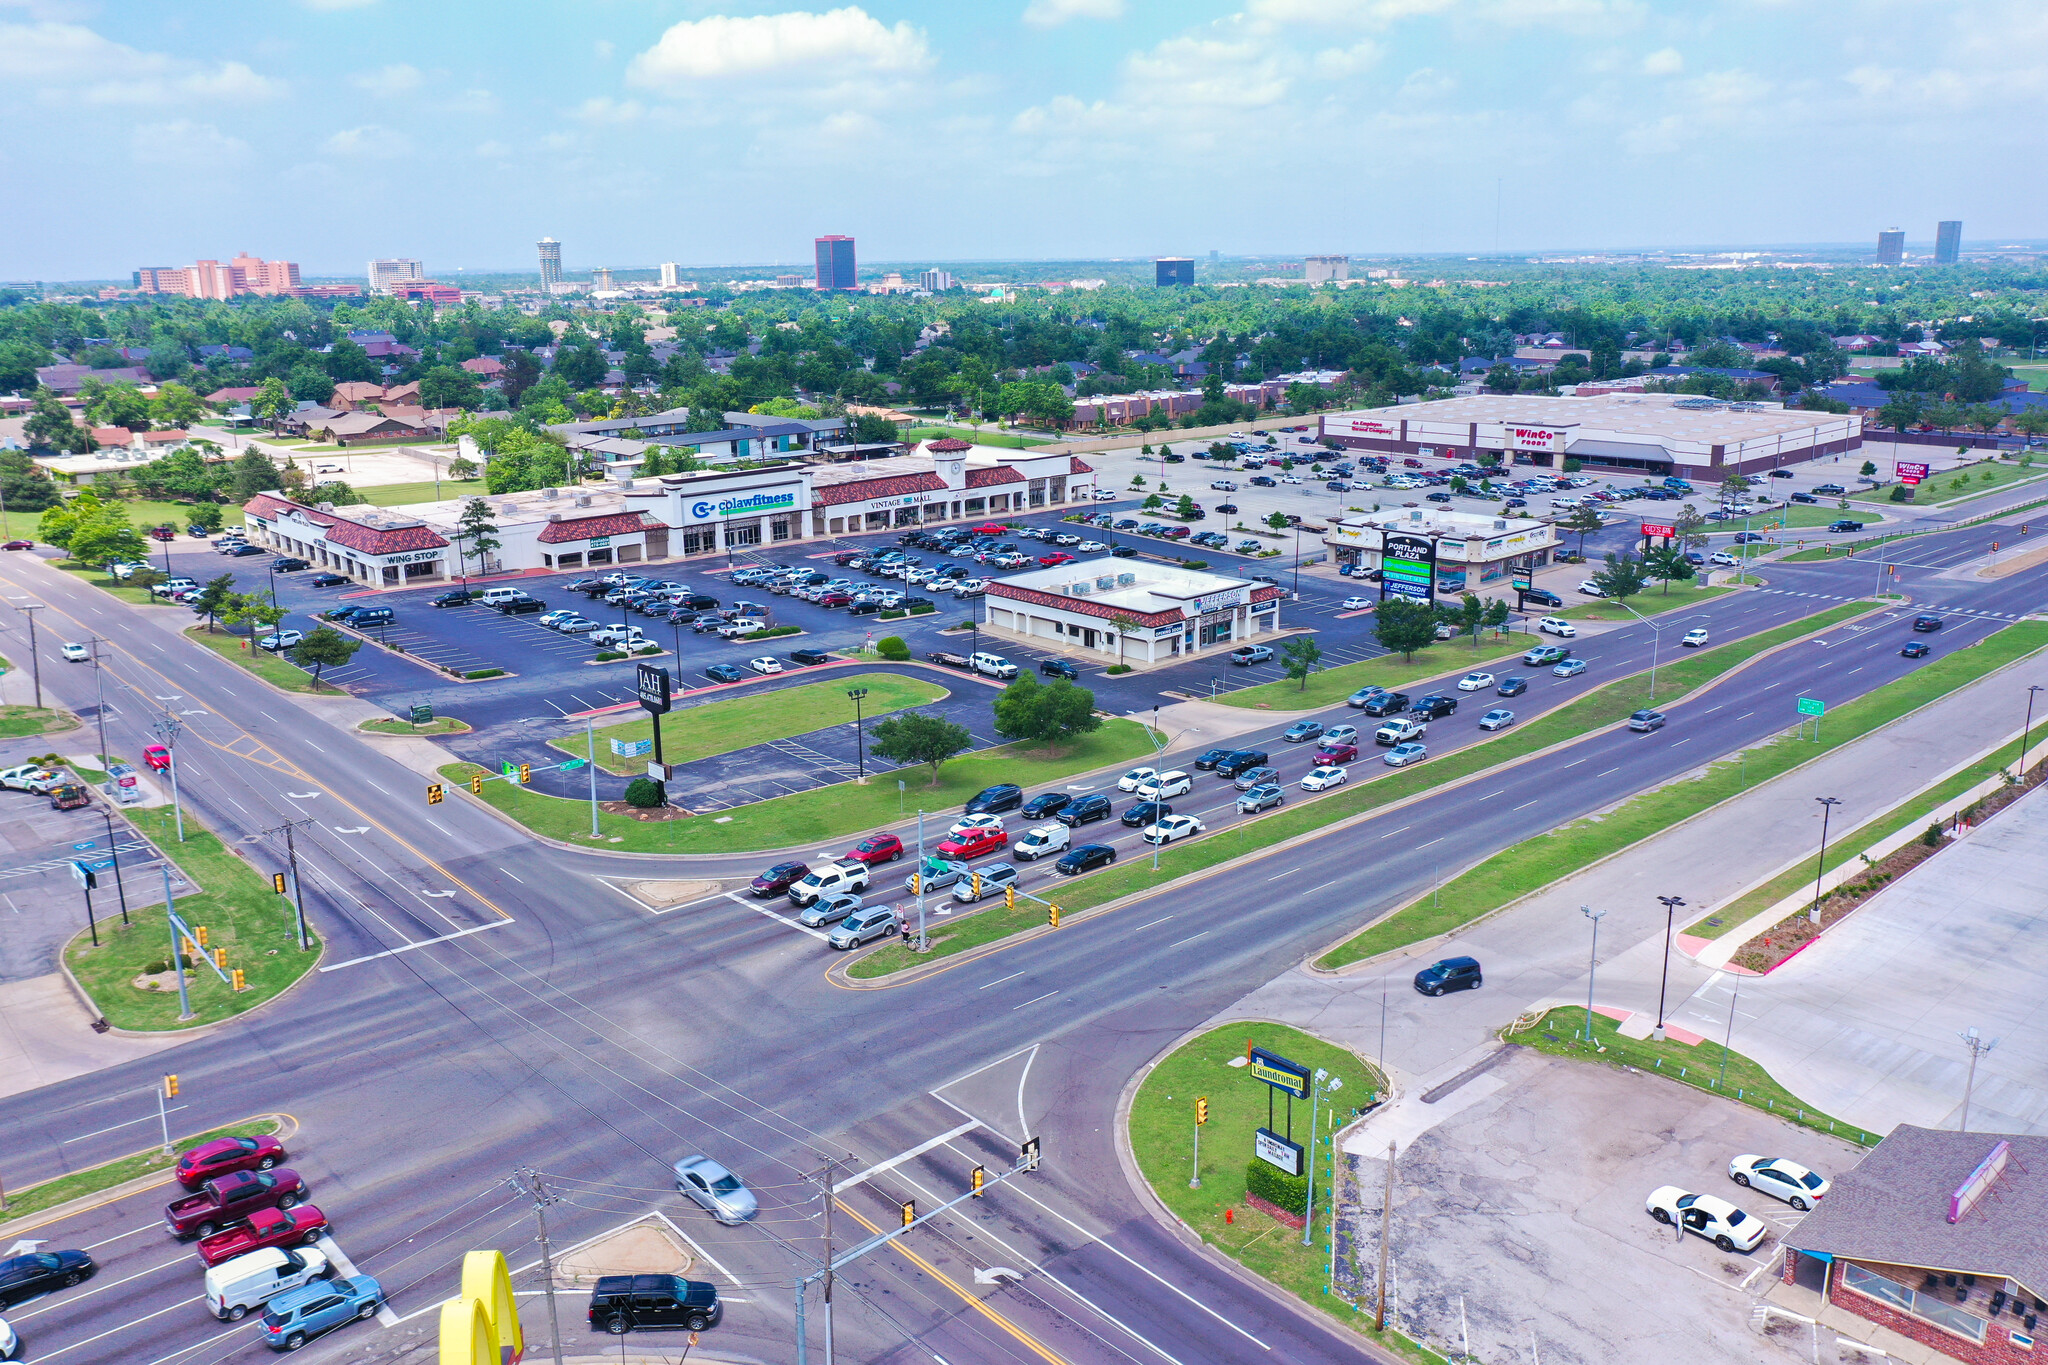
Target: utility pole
[
  {"x": 177, "y": 960},
  {"x": 541, "y": 1200},
  {"x": 1592, "y": 962},
  {"x": 590, "y": 762},
  {"x": 1827, "y": 808},
  {"x": 298, "y": 891},
  {"x": 2027, "y": 734},
  {"x": 1379, "y": 1316},
  {"x": 99, "y": 689},
  {"x": 1670, "y": 904},
  {"x": 167, "y": 730},
  {"x": 35, "y": 661},
  {"x": 114, "y": 856}
]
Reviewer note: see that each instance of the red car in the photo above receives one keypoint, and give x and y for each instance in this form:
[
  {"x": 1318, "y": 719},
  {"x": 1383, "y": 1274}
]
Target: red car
[
  {"x": 876, "y": 848},
  {"x": 1336, "y": 753},
  {"x": 156, "y": 756},
  {"x": 835, "y": 599},
  {"x": 19, "y": 545},
  {"x": 165, "y": 532},
  {"x": 229, "y": 1200},
  {"x": 991, "y": 529},
  {"x": 973, "y": 843},
  {"x": 265, "y": 1228},
  {"x": 225, "y": 1156},
  {"x": 1055, "y": 559}
]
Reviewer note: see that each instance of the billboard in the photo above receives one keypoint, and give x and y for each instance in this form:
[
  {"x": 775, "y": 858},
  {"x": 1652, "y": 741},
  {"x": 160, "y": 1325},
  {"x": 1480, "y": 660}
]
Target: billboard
[
  {"x": 1275, "y": 1150},
  {"x": 1651, "y": 528},
  {"x": 1909, "y": 472},
  {"x": 1278, "y": 1072},
  {"x": 1408, "y": 566},
  {"x": 652, "y": 689}
]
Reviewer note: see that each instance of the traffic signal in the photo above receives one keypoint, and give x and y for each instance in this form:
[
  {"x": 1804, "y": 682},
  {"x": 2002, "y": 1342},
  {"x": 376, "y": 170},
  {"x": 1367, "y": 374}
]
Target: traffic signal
[
  {"x": 525, "y": 773},
  {"x": 1009, "y": 898},
  {"x": 1052, "y": 916},
  {"x": 476, "y": 785},
  {"x": 976, "y": 882},
  {"x": 434, "y": 794},
  {"x": 170, "y": 1087},
  {"x": 1027, "y": 1154},
  {"x": 200, "y": 934},
  {"x": 979, "y": 1177},
  {"x": 277, "y": 878},
  {"x": 239, "y": 985},
  {"x": 2023, "y": 528},
  {"x": 220, "y": 957},
  {"x": 909, "y": 1212},
  {"x": 1201, "y": 1111},
  {"x": 1994, "y": 546},
  {"x": 917, "y": 883}
]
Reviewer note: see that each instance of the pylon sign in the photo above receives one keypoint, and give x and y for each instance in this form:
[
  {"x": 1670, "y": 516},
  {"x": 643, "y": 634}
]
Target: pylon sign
[{"x": 480, "y": 1326}]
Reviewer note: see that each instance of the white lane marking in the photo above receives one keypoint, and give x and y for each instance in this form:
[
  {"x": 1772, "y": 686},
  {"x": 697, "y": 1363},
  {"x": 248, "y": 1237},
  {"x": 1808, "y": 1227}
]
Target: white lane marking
[
  {"x": 1525, "y": 805},
  {"x": 910, "y": 1155},
  {"x": 999, "y": 981},
  {"x": 146, "y": 1227},
  {"x": 144, "y": 1119},
  {"x": 341, "y": 1262},
  {"x": 419, "y": 943},
  {"x": 760, "y": 909},
  {"x": 52, "y": 1355},
  {"x": 1191, "y": 939},
  {"x": 520, "y": 880},
  {"x": 1161, "y": 920},
  {"x": 1035, "y": 999},
  {"x": 102, "y": 1288}
]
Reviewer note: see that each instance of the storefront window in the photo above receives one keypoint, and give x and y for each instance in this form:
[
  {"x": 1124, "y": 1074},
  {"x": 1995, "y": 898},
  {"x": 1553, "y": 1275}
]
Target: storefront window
[
  {"x": 600, "y": 557},
  {"x": 778, "y": 528},
  {"x": 572, "y": 560},
  {"x": 745, "y": 533},
  {"x": 701, "y": 541}
]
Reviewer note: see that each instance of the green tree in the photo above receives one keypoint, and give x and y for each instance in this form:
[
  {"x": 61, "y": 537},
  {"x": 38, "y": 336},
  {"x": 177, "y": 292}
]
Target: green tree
[
  {"x": 1125, "y": 627},
  {"x": 914, "y": 737},
  {"x": 1497, "y": 614},
  {"x": 310, "y": 384},
  {"x": 1404, "y": 625},
  {"x": 250, "y": 609},
  {"x": 1034, "y": 712},
  {"x": 476, "y": 533},
  {"x": 1276, "y": 520},
  {"x": 1582, "y": 521},
  {"x": 643, "y": 793},
  {"x": 892, "y": 648},
  {"x": 119, "y": 404},
  {"x": 1623, "y": 577},
  {"x": 1185, "y": 508},
  {"x": 1734, "y": 487},
  {"x": 580, "y": 367},
  {"x": 214, "y": 594},
  {"x": 1152, "y": 503},
  {"x": 1470, "y": 616},
  {"x": 1901, "y": 412},
  {"x": 349, "y": 363},
  {"x": 1690, "y": 526},
  {"x": 49, "y": 427},
  {"x": 1300, "y": 657},
  {"x": 176, "y": 406},
  {"x": 450, "y": 386},
  {"x": 106, "y": 538},
  {"x": 205, "y": 517},
  {"x": 1667, "y": 564},
  {"x": 272, "y": 404},
  {"x": 2031, "y": 423},
  {"x": 253, "y": 472},
  {"x": 24, "y": 487},
  {"x": 323, "y": 649},
  {"x": 1869, "y": 468}
]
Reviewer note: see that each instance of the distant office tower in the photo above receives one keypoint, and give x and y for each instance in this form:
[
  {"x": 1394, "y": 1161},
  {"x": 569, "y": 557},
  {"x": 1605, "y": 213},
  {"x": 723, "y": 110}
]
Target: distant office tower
[
  {"x": 384, "y": 274},
  {"x": 245, "y": 274},
  {"x": 835, "y": 263},
  {"x": 550, "y": 262},
  {"x": 601, "y": 280},
  {"x": 1173, "y": 270},
  {"x": 1948, "y": 242},
  {"x": 937, "y": 281},
  {"x": 160, "y": 279},
  {"x": 1891, "y": 246},
  {"x": 1213, "y": 256},
  {"x": 668, "y": 274},
  {"x": 1322, "y": 269}
]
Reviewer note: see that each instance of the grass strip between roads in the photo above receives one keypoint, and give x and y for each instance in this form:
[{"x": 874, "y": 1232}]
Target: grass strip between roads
[
  {"x": 33, "y": 1199},
  {"x": 1648, "y": 603},
  {"x": 1561, "y": 1031},
  {"x": 241, "y": 914},
  {"x": 1162, "y": 1131},
  {"x": 719, "y": 727},
  {"x": 1526, "y": 867},
  {"x": 1875, "y": 542},
  {"x": 1390, "y": 671},
  {"x": 439, "y": 725},
  {"x": 820, "y": 814},
  {"x": 1590, "y": 712},
  {"x": 274, "y": 669}
]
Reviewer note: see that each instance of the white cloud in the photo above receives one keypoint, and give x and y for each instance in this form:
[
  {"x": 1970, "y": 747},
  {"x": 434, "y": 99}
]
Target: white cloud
[
  {"x": 473, "y": 102},
  {"x": 1427, "y": 83},
  {"x": 1052, "y": 13},
  {"x": 1665, "y": 61},
  {"x": 72, "y": 61},
  {"x": 1344, "y": 13},
  {"x": 604, "y": 109},
  {"x": 604, "y": 49},
  {"x": 194, "y": 147},
  {"x": 1340, "y": 63},
  {"x": 389, "y": 82},
  {"x": 370, "y": 140},
  {"x": 838, "y": 41}
]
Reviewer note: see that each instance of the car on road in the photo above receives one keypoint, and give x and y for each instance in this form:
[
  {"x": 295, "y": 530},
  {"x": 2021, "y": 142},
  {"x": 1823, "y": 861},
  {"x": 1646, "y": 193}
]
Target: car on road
[
  {"x": 1511, "y": 687},
  {"x": 778, "y": 879},
  {"x": 1135, "y": 778},
  {"x": 982, "y": 882},
  {"x": 296, "y": 1316},
  {"x": 1499, "y": 718},
  {"x": 1042, "y": 842},
  {"x": 301, "y": 1226},
  {"x": 823, "y": 881},
  {"x": 970, "y": 844},
  {"x": 1451, "y": 974},
  {"x": 1256, "y": 777},
  {"x": 1086, "y": 810},
  {"x": 1568, "y": 668},
  {"x": 283, "y": 639},
  {"x": 228, "y": 1200},
  {"x": 1751, "y": 538},
  {"x": 1803, "y": 497},
  {"x": 1330, "y": 754},
  {"x": 829, "y": 909},
  {"x": 1240, "y": 762},
  {"x": 877, "y": 921},
  {"x": 973, "y": 822},
  {"x": 1363, "y": 696},
  {"x": 1717, "y": 1220},
  {"x": 1001, "y": 797},
  {"x": 1324, "y": 778},
  {"x": 1211, "y": 757},
  {"x": 1341, "y": 734},
  {"x": 1919, "y": 649},
  {"x": 1165, "y": 786},
  {"x": 1401, "y": 755},
  {"x": 1302, "y": 730},
  {"x": 1557, "y": 625},
  {"x": 1171, "y": 828},
  {"x": 1646, "y": 720},
  {"x": 881, "y": 848},
  {"x": 1264, "y": 796},
  {"x": 718, "y": 1191},
  {"x": 1246, "y": 655},
  {"x": 1924, "y": 623},
  {"x": 1830, "y": 490},
  {"x": 1694, "y": 638},
  {"x": 1779, "y": 1178},
  {"x": 633, "y": 1303},
  {"x": 1044, "y": 804},
  {"x": 725, "y": 673},
  {"x": 74, "y": 652},
  {"x": 19, "y": 545},
  {"x": 1845, "y": 524},
  {"x": 1386, "y": 704},
  {"x": 38, "y": 1272},
  {"x": 226, "y": 1156},
  {"x": 1545, "y": 654},
  {"x": 1086, "y": 858},
  {"x": 1475, "y": 682}
]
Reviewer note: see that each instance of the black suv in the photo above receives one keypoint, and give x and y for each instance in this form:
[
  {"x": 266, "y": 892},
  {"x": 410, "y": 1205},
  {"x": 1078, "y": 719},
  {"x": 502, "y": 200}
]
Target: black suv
[
  {"x": 455, "y": 597},
  {"x": 1387, "y": 704},
  {"x": 1240, "y": 761},
  {"x": 1926, "y": 623},
  {"x": 1452, "y": 974},
  {"x": 1044, "y": 804},
  {"x": 994, "y": 800},
  {"x": 1084, "y": 811},
  {"x": 1059, "y": 668},
  {"x": 1542, "y": 596},
  {"x": 636, "y": 1303}
]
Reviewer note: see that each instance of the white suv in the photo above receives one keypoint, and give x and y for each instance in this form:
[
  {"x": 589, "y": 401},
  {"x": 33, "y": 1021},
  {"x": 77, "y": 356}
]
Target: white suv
[{"x": 1557, "y": 625}]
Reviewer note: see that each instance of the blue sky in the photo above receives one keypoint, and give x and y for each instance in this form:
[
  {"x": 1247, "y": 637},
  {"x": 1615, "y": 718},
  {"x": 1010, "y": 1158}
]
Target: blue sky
[{"x": 637, "y": 131}]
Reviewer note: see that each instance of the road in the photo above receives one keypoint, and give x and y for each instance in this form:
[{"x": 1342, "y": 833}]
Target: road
[{"x": 535, "y": 1017}]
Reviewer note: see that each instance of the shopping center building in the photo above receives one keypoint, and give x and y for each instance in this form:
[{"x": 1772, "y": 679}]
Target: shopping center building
[
  {"x": 1132, "y": 611},
  {"x": 1650, "y": 434},
  {"x": 1458, "y": 550}
]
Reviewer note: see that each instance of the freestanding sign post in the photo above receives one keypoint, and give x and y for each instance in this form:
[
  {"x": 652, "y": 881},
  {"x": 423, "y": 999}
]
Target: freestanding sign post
[
  {"x": 1292, "y": 1080},
  {"x": 1910, "y": 472},
  {"x": 1407, "y": 567},
  {"x": 652, "y": 688}
]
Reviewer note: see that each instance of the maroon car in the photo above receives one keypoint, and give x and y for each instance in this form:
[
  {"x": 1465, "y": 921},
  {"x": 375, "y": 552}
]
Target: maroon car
[
  {"x": 876, "y": 848},
  {"x": 19, "y": 545},
  {"x": 835, "y": 599},
  {"x": 1336, "y": 753},
  {"x": 229, "y": 1200},
  {"x": 778, "y": 879},
  {"x": 225, "y": 1156},
  {"x": 265, "y": 1228}
]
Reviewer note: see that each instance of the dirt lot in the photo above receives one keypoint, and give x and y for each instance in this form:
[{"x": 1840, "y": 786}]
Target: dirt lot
[{"x": 1525, "y": 1206}]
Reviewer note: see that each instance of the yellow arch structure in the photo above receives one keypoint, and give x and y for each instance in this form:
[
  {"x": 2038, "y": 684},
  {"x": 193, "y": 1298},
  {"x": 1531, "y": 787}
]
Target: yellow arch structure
[
  {"x": 481, "y": 1325},
  {"x": 467, "y": 1337}
]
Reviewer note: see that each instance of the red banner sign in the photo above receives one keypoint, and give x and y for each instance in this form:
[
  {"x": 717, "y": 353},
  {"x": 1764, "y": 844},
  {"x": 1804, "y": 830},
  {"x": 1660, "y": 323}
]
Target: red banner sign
[
  {"x": 1910, "y": 473},
  {"x": 1651, "y": 528}
]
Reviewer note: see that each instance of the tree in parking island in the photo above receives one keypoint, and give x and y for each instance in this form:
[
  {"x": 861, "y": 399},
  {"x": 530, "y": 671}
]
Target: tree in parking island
[
  {"x": 1050, "y": 715},
  {"x": 1624, "y": 576},
  {"x": 915, "y": 737},
  {"x": 1582, "y": 521},
  {"x": 325, "y": 648},
  {"x": 213, "y": 597},
  {"x": 1404, "y": 625},
  {"x": 1300, "y": 657},
  {"x": 476, "y": 533}
]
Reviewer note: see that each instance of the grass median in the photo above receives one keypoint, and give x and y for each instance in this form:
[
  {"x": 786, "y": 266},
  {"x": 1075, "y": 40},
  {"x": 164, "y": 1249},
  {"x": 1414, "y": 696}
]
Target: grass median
[
  {"x": 718, "y": 727},
  {"x": 1390, "y": 671},
  {"x": 34, "y": 1199},
  {"x": 822, "y": 813},
  {"x": 107, "y": 583},
  {"x": 1600, "y": 708},
  {"x": 1529, "y": 866},
  {"x": 439, "y": 725},
  {"x": 241, "y": 914},
  {"x": 1648, "y": 603},
  {"x": 1838, "y": 549}
]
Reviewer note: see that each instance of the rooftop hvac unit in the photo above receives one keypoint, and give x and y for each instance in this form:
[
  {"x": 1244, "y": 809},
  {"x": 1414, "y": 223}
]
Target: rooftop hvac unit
[
  {"x": 1104, "y": 583},
  {"x": 1078, "y": 589},
  {"x": 1125, "y": 580}
]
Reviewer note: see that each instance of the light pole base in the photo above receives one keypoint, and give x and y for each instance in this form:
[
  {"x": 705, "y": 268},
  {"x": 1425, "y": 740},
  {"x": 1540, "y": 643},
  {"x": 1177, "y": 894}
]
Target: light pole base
[
  {"x": 1195, "y": 1184},
  {"x": 1657, "y": 1033}
]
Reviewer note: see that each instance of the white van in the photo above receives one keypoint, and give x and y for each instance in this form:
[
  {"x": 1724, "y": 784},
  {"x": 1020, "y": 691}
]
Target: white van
[
  {"x": 493, "y": 596},
  {"x": 994, "y": 665},
  {"x": 234, "y": 1287},
  {"x": 829, "y": 878},
  {"x": 1037, "y": 843}
]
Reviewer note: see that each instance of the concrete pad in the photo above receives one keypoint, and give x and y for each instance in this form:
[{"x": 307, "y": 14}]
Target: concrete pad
[
  {"x": 46, "y": 1036},
  {"x": 650, "y": 1247}
]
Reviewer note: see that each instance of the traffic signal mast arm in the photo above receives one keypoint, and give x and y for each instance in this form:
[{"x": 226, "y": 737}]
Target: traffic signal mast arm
[{"x": 881, "y": 1239}]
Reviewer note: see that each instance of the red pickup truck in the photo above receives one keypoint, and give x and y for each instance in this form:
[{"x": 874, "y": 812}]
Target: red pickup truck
[
  {"x": 265, "y": 1228},
  {"x": 229, "y": 1200}
]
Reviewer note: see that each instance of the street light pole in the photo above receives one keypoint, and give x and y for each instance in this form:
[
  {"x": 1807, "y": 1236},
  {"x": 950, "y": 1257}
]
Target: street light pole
[
  {"x": 1978, "y": 1047},
  {"x": 1656, "y": 641},
  {"x": 860, "y": 749},
  {"x": 2028, "y": 733},
  {"x": 1670, "y": 904},
  {"x": 99, "y": 689},
  {"x": 35, "y": 662},
  {"x": 1827, "y": 808},
  {"x": 1592, "y": 962}
]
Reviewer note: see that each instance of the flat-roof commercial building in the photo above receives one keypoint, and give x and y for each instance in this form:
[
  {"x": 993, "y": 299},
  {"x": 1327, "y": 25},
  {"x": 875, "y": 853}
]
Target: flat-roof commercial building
[
  {"x": 1891, "y": 246},
  {"x": 1651, "y": 434},
  {"x": 1948, "y": 241},
  {"x": 1132, "y": 611},
  {"x": 1454, "y": 551},
  {"x": 1172, "y": 270}
]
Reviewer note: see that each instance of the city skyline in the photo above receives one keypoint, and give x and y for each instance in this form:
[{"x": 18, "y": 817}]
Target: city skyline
[{"x": 1419, "y": 125}]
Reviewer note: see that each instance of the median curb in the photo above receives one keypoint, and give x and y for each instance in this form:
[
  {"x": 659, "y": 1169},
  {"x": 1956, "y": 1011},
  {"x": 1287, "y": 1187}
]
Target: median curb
[{"x": 287, "y": 1128}]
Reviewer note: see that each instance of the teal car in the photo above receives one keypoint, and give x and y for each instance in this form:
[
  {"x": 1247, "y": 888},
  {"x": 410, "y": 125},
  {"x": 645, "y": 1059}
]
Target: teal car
[{"x": 296, "y": 1316}]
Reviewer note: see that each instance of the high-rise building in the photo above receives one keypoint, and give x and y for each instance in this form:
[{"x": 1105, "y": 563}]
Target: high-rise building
[
  {"x": 601, "y": 281},
  {"x": 836, "y": 268},
  {"x": 1214, "y": 256},
  {"x": 245, "y": 274},
  {"x": 1948, "y": 242},
  {"x": 937, "y": 281},
  {"x": 1322, "y": 269},
  {"x": 669, "y": 270},
  {"x": 384, "y": 274},
  {"x": 1891, "y": 246},
  {"x": 1168, "y": 270},
  {"x": 550, "y": 263}
]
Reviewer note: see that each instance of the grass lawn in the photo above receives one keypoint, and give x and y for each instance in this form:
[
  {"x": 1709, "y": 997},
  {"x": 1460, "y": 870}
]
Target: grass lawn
[
  {"x": 1333, "y": 685},
  {"x": 1985, "y": 476},
  {"x": 719, "y": 727},
  {"x": 1162, "y": 1128},
  {"x": 240, "y": 911},
  {"x": 813, "y": 816},
  {"x": 272, "y": 668},
  {"x": 1650, "y": 602},
  {"x": 17, "y": 721},
  {"x": 397, "y": 494},
  {"x": 439, "y": 725},
  {"x": 1535, "y": 863},
  {"x": 1380, "y": 786},
  {"x": 987, "y": 437},
  {"x": 1800, "y": 516},
  {"x": 34, "y": 1199},
  {"x": 1562, "y": 1033},
  {"x": 105, "y": 581}
]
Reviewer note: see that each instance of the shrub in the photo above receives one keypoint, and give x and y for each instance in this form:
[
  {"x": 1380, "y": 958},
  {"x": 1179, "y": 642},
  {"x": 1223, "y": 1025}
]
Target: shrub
[
  {"x": 485, "y": 673},
  {"x": 1118, "y": 668},
  {"x": 1931, "y": 836},
  {"x": 1901, "y": 493},
  {"x": 774, "y": 631},
  {"x": 605, "y": 656},
  {"x": 893, "y": 614},
  {"x": 892, "y": 648},
  {"x": 923, "y": 611},
  {"x": 1275, "y": 1186},
  {"x": 643, "y": 793},
  {"x": 1194, "y": 563}
]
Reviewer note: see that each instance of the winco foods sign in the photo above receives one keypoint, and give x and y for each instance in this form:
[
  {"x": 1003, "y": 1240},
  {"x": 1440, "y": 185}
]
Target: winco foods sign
[{"x": 1535, "y": 438}]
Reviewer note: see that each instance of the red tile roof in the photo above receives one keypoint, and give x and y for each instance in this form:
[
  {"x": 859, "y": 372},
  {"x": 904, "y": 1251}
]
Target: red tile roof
[
  {"x": 890, "y": 486},
  {"x": 340, "y": 530},
  {"x": 988, "y": 478},
  {"x": 949, "y": 445},
  {"x": 583, "y": 528},
  {"x": 1075, "y": 466}
]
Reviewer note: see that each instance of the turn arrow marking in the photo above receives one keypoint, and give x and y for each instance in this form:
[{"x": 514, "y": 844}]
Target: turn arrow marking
[{"x": 995, "y": 1275}]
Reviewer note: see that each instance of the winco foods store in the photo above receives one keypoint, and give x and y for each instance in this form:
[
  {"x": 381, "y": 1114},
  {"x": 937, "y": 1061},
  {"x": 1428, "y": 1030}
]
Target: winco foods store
[{"x": 1650, "y": 434}]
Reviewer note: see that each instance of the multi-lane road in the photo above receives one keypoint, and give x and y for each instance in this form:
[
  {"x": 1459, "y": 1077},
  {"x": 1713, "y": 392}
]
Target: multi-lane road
[{"x": 537, "y": 1017}]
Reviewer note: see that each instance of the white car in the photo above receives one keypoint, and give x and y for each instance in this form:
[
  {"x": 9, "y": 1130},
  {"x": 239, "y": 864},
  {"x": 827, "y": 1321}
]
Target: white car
[
  {"x": 1106, "y": 495},
  {"x": 1171, "y": 828},
  {"x": 1322, "y": 779},
  {"x": 1292, "y": 478},
  {"x": 1695, "y": 637},
  {"x": 973, "y": 822},
  {"x": 1717, "y": 1220},
  {"x": 1592, "y": 589},
  {"x": 1091, "y": 547},
  {"x": 1557, "y": 625},
  {"x": 283, "y": 639},
  {"x": 1779, "y": 1178},
  {"x": 1357, "y": 603},
  {"x": 1725, "y": 558},
  {"x": 1135, "y": 778},
  {"x": 75, "y": 652},
  {"x": 767, "y": 663},
  {"x": 1499, "y": 718},
  {"x": 745, "y": 626},
  {"x": 32, "y": 777},
  {"x": 1166, "y": 786},
  {"x": 1475, "y": 682}
]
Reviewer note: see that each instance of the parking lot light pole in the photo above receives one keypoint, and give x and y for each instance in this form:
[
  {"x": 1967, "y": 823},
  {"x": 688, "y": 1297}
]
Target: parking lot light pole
[
  {"x": 1656, "y": 641},
  {"x": 860, "y": 748},
  {"x": 1978, "y": 1047},
  {"x": 1827, "y": 808},
  {"x": 1592, "y": 963},
  {"x": 1670, "y": 904}
]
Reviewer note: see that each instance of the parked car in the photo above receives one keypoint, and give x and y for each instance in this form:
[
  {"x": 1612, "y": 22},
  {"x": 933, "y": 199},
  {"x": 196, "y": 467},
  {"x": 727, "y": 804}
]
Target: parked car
[
  {"x": 1086, "y": 858},
  {"x": 454, "y": 597},
  {"x": 1451, "y": 974},
  {"x": 282, "y": 640},
  {"x": 298, "y": 1315},
  {"x": 1717, "y": 1220},
  {"x": 1831, "y": 490},
  {"x": 226, "y": 1156},
  {"x": 1246, "y": 655},
  {"x": 718, "y": 1191},
  {"x": 1542, "y": 597},
  {"x": 634, "y": 1303},
  {"x": 1557, "y": 625},
  {"x": 288, "y": 564},
  {"x": 1781, "y": 1179}
]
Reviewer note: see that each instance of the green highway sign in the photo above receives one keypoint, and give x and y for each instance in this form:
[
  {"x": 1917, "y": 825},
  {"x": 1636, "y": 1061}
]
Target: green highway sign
[
  {"x": 1811, "y": 706},
  {"x": 570, "y": 765}
]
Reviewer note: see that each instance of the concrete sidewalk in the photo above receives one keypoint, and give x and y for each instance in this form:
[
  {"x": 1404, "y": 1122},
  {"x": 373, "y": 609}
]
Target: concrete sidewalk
[{"x": 1536, "y": 953}]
